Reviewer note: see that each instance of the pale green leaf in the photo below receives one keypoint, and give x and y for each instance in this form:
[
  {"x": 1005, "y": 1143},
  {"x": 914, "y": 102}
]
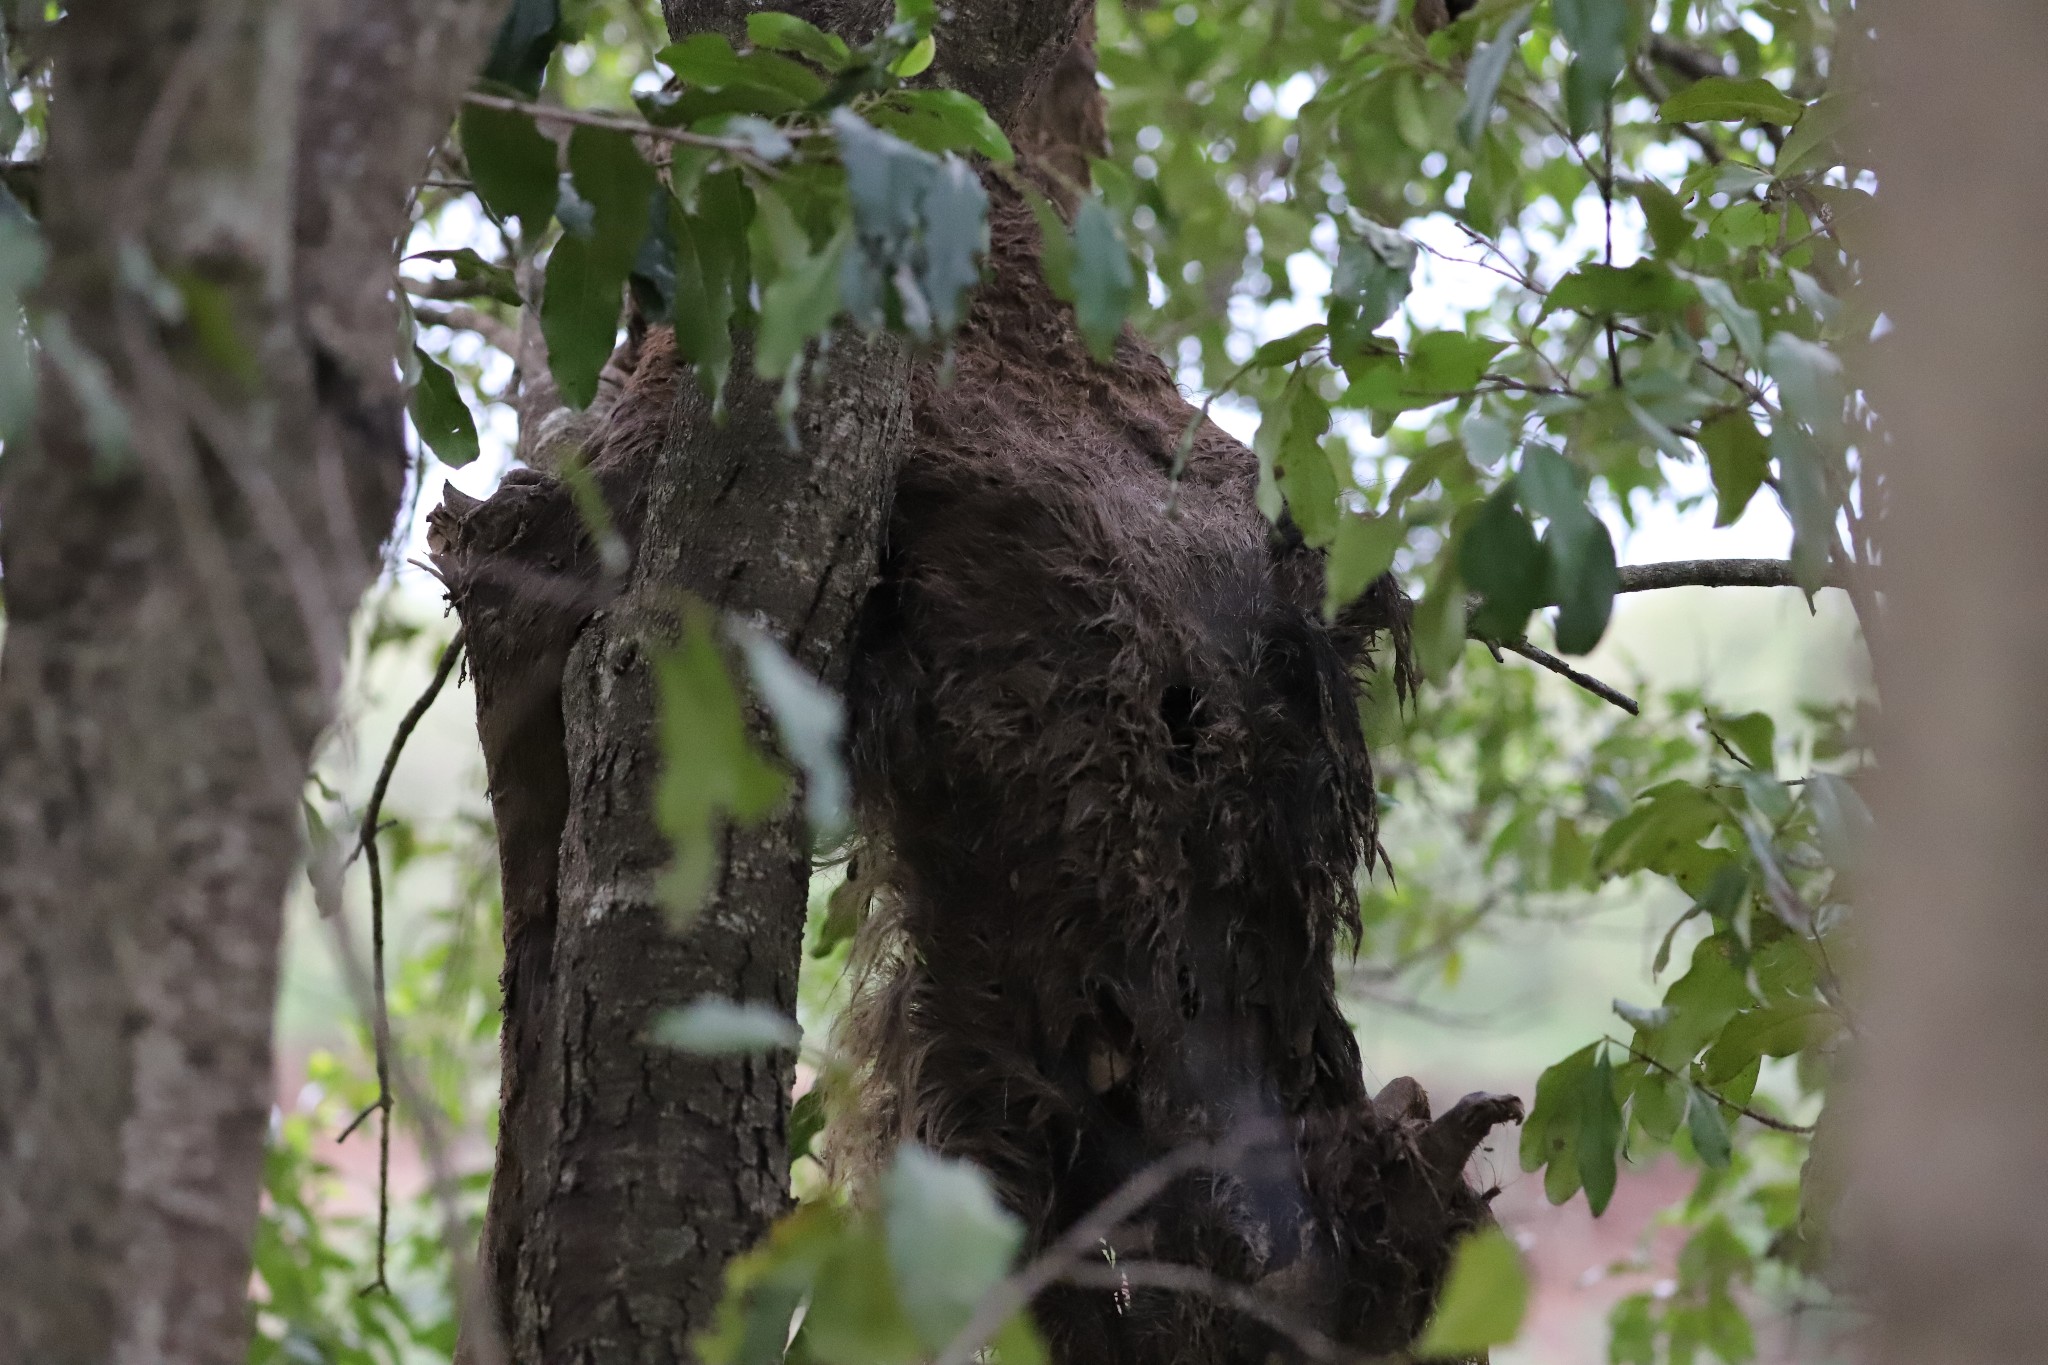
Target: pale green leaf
[
  {"x": 440, "y": 415},
  {"x": 1484, "y": 1298},
  {"x": 949, "y": 1239},
  {"x": 1726, "y": 99},
  {"x": 718, "y": 1027}
]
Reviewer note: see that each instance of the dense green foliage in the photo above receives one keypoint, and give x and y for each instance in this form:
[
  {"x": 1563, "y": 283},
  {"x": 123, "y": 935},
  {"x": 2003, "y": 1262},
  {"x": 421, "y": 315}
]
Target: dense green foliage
[{"x": 1663, "y": 198}]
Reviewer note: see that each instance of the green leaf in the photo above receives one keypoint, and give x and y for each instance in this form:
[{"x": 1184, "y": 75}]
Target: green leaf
[
  {"x": 1440, "y": 629},
  {"x": 1656, "y": 1101},
  {"x": 1709, "y": 1132},
  {"x": 711, "y": 770},
  {"x": 1810, "y": 504},
  {"x": 1701, "y": 1003},
  {"x": 916, "y": 61},
  {"x": 943, "y": 121},
  {"x": 1483, "y": 76},
  {"x": 949, "y": 1239},
  {"x": 1487, "y": 439},
  {"x": 1811, "y": 383},
  {"x": 1668, "y": 821},
  {"x": 787, "y": 33},
  {"x": 439, "y": 414},
  {"x": 798, "y": 307},
  {"x": 1584, "y": 579},
  {"x": 1292, "y": 462},
  {"x": 1018, "y": 1343},
  {"x": 809, "y": 720},
  {"x": 1500, "y": 558},
  {"x": 1599, "y": 1134},
  {"x": 586, "y": 275},
  {"x": 1743, "y": 323},
  {"x": 1824, "y": 121},
  {"x": 1550, "y": 1136},
  {"x": 1631, "y": 1333},
  {"x": 1582, "y": 574},
  {"x": 1726, "y": 99},
  {"x": 610, "y": 175},
  {"x": 1447, "y": 364},
  {"x": 511, "y": 164},
  {"x": 1753, "y": 734},
  {"x": 712, "y": 274},
  {"x": 1105, "y": 285},
  {"x": 1739, "y": 457},
  {"x": 525, "y": 41},
  {"x": 718, "y": 1027},
  {"x": 1549, "y": 486},
  {"x": 1375, "y": 270},
  {"x": 487, "y": 281},
  {"x": 806, "y": 1121},
  {"x": 1642, "y": 289},
  {"x": 1779, "y": 1029},
  {"x": 1597, "y": 32},
  {"x": 921, "y": 229},
  {"x": 1484, "y": 1298},
  {"x": 773, "y": 84},
  {"x": 1670, "y": 229},
  {"x": 1284, "y": 351},
  {"x": 1363, "y": 550},
  {"x": 855, "y": 1315},
  {"x": 1641, "y": 1017},
  {"x": 579, "y": 318},
  {"x": 1844, "y": 821}
]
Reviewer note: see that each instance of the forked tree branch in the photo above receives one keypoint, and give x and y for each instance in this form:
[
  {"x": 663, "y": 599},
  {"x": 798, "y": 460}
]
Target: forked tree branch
[{"x": 1677, "y": 573}]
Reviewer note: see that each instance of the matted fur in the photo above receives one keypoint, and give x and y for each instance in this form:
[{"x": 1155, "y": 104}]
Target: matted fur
[{"x": 1109, "y": 749}]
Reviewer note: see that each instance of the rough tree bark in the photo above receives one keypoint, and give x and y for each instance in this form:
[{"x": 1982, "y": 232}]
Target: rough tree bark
[
  {"x": 1950, "y": 1115},
  {"x": 627, "y": 1177},
  {"x": 176, "y": 622}
]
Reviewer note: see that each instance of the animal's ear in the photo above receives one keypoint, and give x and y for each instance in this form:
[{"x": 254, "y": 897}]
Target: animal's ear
[{"x": 1402, "y": 1100}]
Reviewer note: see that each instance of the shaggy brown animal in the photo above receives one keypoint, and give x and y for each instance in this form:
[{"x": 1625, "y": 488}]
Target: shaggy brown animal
[
  {"x": 1112, "y": 787},
  {"x": 1110, "y": 750}
]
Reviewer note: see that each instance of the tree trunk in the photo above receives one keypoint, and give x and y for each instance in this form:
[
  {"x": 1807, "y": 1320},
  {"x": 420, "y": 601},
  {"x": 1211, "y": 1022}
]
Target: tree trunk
[
  {"x": 177, "y": 609},
  {"x": 627, "y": 1176},
  {"x": 1950, "y": 1117}
]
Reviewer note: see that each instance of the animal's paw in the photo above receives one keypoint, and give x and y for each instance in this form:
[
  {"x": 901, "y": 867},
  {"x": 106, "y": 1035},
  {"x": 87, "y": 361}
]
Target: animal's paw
[{"x": 1448, "y": 1143}]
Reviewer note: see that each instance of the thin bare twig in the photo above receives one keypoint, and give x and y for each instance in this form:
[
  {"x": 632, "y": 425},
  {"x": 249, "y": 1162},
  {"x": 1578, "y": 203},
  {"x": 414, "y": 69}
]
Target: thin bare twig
[
  {"x": 1188, "y": 1279},
  {"x": 1774, "y": 1124},
  {"x": 380, "y": 1015},
  {"x": 463, "y": 318},
  {"x": 1014, "y": 1292},
  {"x": 1546, "y": 659},
  {"x": 447, "y": 289},
  {"x": 620, "y": 123},
  {"x": 482, "y": 1339}
]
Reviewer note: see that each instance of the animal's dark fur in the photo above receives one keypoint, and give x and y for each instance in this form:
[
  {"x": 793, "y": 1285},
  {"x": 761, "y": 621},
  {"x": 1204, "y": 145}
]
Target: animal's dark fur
[{"x": 1111, "y": 753}]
